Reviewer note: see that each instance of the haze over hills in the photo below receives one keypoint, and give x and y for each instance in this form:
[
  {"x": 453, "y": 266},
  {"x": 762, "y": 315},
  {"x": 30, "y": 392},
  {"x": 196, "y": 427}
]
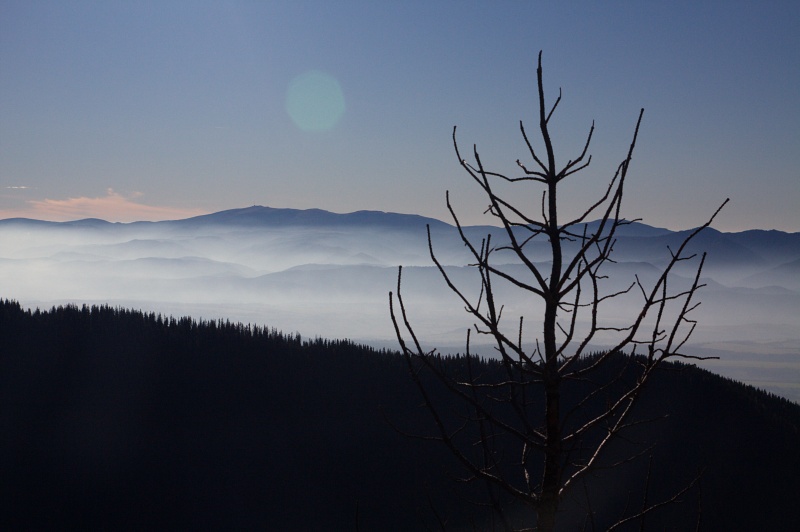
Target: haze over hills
[{"x": 326, "y": 274}]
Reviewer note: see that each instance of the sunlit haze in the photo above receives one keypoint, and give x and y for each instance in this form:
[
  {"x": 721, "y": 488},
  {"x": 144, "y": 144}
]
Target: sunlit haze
[{"x": 164, "y": 110}]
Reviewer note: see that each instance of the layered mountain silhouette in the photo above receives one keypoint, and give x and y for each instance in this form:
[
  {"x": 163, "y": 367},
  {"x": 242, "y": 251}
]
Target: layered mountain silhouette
[{"x": 329, "y": 274}]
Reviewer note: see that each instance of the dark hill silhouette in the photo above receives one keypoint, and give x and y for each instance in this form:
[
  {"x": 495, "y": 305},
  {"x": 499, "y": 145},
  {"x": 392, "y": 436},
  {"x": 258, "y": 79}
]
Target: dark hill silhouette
[
  {"x": 117, "y": 419},
  {"x": 770, "y": 244}
]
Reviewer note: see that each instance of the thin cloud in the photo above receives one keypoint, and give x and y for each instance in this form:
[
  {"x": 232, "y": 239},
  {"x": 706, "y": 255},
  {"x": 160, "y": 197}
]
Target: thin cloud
[
  {"x": 17, "y": 187},
  {"x": 113, "y": 207}
]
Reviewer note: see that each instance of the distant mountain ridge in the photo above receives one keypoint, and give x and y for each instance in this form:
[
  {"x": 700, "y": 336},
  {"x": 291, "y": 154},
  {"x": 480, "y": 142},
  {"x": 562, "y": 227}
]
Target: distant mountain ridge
[
  {"x": 263, "y": 215},
  {"x": 259, "y": 215}
]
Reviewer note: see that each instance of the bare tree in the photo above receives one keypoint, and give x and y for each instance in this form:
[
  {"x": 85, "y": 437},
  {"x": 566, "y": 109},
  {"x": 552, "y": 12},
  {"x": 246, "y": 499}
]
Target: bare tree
[{"x": 522, "y": 406}]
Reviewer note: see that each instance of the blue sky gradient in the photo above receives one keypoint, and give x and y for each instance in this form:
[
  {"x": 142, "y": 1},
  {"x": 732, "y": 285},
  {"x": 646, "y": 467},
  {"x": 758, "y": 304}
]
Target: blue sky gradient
[{"x": 154, "y": 110}]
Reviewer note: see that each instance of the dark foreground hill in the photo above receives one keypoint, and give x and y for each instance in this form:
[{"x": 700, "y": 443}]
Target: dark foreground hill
[{"x": 116, "y": 419}]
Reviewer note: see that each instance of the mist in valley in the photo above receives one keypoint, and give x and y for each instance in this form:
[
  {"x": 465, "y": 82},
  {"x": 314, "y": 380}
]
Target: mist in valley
[{"x": 329, "y": 275}]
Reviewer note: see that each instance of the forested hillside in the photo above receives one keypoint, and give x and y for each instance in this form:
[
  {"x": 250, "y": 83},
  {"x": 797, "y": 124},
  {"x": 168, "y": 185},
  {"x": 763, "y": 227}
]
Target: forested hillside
[{"x": 117, "y": 419}]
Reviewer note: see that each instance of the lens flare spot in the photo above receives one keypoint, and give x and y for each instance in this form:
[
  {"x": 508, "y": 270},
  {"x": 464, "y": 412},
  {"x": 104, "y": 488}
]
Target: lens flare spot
[{"x": 314, "y": 101}]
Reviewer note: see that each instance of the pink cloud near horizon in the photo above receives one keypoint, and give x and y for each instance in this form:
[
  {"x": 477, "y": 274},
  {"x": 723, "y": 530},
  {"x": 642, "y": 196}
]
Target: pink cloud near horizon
[{"x": 112, "y": 207}]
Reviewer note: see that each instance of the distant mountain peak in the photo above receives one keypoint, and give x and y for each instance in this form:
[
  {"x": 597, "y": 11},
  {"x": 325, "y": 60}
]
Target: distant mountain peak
[{"x": 259, "y": 215}]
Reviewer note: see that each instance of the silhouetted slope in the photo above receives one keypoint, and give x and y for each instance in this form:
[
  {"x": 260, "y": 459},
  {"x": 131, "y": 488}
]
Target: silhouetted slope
[{"x": 116, "y": 419}]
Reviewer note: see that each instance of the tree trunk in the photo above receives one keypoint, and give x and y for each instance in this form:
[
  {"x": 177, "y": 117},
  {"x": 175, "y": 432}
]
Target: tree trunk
[
  {"x": 548, "y": 502},
  {"x": 551, "y": 480}
]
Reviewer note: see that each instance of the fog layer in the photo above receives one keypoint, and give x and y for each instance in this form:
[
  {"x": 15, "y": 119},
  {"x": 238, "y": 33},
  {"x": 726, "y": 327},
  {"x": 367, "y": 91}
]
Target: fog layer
[{"x": 323, "y": 274}]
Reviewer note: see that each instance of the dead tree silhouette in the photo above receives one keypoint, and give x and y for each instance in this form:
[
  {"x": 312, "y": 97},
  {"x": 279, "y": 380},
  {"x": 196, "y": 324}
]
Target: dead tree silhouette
[{"x": 533, "y": 446}]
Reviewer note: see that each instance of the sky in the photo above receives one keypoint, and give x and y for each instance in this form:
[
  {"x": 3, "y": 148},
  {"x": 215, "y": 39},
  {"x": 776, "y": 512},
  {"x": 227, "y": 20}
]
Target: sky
[{"x": 167, "y": 109}]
